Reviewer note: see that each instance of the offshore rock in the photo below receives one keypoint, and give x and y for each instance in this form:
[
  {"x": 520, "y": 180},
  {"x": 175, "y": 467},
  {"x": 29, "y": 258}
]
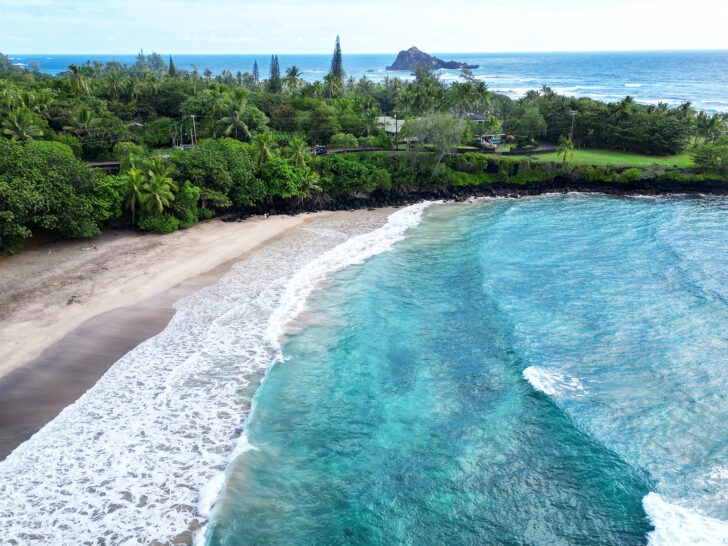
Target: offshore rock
[{"x": 412, "y": 58}]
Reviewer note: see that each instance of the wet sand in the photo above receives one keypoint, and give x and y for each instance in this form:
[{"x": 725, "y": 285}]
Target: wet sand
[{"x": 33, "y": 393}]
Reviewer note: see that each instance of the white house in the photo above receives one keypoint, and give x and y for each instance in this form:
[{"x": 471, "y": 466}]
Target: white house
[{"x": 391, "y": 126}]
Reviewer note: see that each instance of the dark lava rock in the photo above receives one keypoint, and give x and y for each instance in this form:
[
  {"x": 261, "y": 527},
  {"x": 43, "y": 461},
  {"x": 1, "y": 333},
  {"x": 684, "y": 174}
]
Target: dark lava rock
[{"x": 413, "y": 57}]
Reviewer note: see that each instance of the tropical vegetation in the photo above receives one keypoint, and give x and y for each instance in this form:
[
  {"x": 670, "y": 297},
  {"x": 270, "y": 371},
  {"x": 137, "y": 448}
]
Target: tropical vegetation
[{"x": 191, "y": 144}]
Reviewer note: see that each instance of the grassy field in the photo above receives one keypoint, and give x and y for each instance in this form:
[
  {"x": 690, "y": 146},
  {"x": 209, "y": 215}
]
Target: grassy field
[{"x": 604, "y": 157}]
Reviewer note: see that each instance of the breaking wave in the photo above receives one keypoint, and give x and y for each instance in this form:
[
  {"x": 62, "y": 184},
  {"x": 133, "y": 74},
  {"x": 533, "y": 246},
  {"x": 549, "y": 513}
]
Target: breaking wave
[{"x": 141, "y": 456}]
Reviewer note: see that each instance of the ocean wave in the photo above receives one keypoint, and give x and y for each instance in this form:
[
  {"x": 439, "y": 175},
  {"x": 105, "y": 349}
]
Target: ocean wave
[
  {"x": 676, "y": 525},
  {"x": 353, "y": 251},
  {"x": 553, "y": 382},
  {"x": 141, "y": 456}
]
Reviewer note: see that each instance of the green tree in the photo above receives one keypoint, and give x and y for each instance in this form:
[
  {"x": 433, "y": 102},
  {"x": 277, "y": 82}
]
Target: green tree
[
  {"x": 444, "y": 132},
  {"x": 234, "y": 122},
  {"x": 293, "y": 78},
  {"x": 135, "y": 180},
  {"x": 256, "y": 74},
  {"x": 297, "y": 151},
  {"x": 84, "y": 122},
  {"x": 332, "y": 86},
  {"x": 21, "y": 125},
  {"x": 157, "y": 191},
  {"x": 79, "y": 82},
  {"x": 713, "y": 156},
  {"x": 263, "y": 148},
  {"x": 566, "y": 147},
  {"x": 172, "y": 72},
  {"x": 274, "y": 81},
  {"x": 337, "y": 63}
]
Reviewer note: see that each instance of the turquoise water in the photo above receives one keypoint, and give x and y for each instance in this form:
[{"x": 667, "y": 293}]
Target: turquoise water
[{"x": 540, "y": 371}]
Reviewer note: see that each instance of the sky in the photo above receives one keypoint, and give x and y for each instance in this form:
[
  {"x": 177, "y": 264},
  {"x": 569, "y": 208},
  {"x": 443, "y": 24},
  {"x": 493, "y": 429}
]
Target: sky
[{"x": 365, "y": 26}]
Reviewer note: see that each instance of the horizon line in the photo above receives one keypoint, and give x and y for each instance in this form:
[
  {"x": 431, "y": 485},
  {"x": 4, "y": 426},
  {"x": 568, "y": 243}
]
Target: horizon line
[{"x": 393, "y": 53}]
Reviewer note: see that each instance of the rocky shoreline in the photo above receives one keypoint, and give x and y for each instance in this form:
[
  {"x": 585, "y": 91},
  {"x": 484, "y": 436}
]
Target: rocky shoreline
[{"x": 408, "y": 195}]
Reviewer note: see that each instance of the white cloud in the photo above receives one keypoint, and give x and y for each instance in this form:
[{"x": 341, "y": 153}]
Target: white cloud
[{"x": 297, "y": 26}]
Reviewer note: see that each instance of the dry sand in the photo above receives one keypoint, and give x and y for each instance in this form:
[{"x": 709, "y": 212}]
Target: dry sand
[
  {"x": 48, "y": 292},
  {"x": 69, "y": 310}
]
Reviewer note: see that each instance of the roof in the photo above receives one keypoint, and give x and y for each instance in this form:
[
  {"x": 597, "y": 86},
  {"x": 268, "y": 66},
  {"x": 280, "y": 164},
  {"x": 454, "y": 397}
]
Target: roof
[
  {"x": 474, "y": 117},
  {"x": 389, "y": 124}
]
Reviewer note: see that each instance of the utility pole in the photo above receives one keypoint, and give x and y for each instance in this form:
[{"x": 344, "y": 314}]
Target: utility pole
[
  {"x": 396, "y": 132},
  {"x": 194, "y": 130},
  {"x": 573, "y": 120}
]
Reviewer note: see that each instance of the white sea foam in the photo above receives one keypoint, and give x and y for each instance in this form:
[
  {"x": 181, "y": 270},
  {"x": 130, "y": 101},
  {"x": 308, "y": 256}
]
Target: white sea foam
[
  {"x": 679, "y": 526},
  {"x": 141, "y": 456},
  {"x": 554, "y": 382}
]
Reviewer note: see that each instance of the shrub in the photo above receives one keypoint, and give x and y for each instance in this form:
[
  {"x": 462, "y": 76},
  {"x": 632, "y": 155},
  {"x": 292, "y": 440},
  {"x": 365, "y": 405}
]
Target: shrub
[
  {"x": 70, "y": 141},
  {"x": 163, "y": 223},
  {"x": 123, "y": 150},
  {"x": 44, "y": 186},
  {"x": 344, "y": 141},
  {"x": 630, "y": 175},
  {"x": 158, "y": 133},
  {"x": 184, "y": 207},
  {"x": 223, "y": 168}
]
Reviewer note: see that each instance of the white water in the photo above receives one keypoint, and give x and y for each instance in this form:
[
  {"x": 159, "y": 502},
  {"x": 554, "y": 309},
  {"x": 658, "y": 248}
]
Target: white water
[
  {"x": 674, "y": 525},
  {"x": 140, "y": 456}
]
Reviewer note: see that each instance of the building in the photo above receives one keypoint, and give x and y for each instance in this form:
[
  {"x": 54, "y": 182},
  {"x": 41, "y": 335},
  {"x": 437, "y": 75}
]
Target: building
[
  {"x": 391, "y": 126},
  {"x": 475, "y": 118}
]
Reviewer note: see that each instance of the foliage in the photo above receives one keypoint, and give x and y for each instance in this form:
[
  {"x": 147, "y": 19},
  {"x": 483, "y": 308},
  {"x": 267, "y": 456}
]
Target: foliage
[
  {"x": 163, "y": 223},
  {"x": 43, "y": 186},
  {"x": 123, "y": 150},
  {"x": 442, "y": 131},
  {"x": 158, "y": 133},
  {"x": 222, "y": 169},
  {"x": 343, "y": 141},
  {"x": 713, "y": 157},
  {"x": 282, "y": 179}
]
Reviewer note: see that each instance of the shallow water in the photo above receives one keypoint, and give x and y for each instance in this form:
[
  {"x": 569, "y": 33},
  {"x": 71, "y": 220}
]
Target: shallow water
[
  {"x": 549, "y": 370},
  {"x": 539, "y": 371}
]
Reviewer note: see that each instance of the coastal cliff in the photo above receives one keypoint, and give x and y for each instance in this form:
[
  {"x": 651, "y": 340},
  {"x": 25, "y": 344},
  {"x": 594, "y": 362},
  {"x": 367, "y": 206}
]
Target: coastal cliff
[{"x": 411, "y": 58}]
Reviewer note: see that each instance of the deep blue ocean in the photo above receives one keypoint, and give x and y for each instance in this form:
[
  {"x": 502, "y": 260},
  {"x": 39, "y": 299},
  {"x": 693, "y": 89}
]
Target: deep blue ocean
[{"x": 672, "y": 77}]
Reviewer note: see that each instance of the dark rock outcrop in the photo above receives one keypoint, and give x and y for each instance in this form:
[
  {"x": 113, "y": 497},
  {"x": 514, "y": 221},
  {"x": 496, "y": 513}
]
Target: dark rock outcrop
[
  {"x": 409, "y": 195},
  {"x": 412, "y": 58}
]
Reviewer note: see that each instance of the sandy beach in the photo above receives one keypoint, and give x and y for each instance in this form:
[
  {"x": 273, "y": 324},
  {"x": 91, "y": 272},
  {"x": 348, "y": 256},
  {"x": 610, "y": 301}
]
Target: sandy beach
[{"x": 69, "y": 310}]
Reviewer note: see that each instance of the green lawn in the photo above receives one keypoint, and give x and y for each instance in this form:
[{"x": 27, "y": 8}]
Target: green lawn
[{"x": 604, "y": 157}]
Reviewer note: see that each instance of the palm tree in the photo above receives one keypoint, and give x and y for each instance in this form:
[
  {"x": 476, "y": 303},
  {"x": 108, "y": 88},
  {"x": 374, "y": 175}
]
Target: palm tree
[
  {"x": 298, "y": 152},
  {"x": 370, "y": 117},
  {"x": 157, "y": 191},
  {"x": 114, "y": 85},
  {"x": 716, "y": 126},
  {"x": 263, "y": 148},
  {"x": 234, "y": 122},
  {"x": 566, "y": 147},
  {"x": 332, "y": 85},
  {"x": 79, "y": 83},
  {"x": 84, "y": 122},
  {"x": 20, "y": 125},
  {"x": 134, "y": 181},
  {"x": 7, "y": 95},
  {"x": 293, "y": 78}
]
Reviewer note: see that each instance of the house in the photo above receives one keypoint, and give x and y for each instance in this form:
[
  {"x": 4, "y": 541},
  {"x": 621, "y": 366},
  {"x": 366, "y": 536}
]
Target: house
[
  {"x": 392, "y": 126},
  {"x": 474, "y": 118}
]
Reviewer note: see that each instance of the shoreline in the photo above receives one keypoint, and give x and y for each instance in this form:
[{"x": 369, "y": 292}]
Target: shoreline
[{"x": 65, "y": 349}]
